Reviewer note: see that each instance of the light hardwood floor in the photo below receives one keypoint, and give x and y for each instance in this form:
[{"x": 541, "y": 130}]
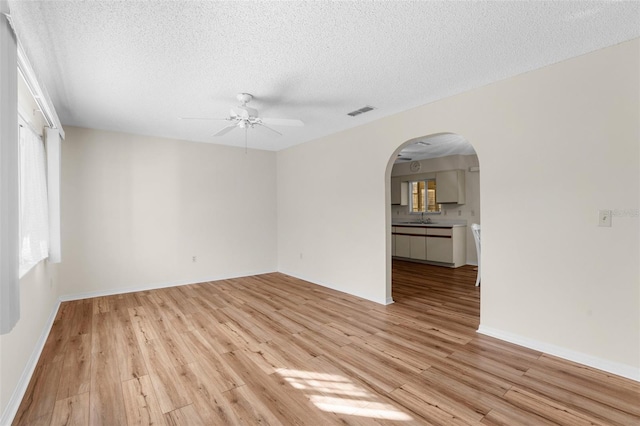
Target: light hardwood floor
[{"x": 272, "y": 349}]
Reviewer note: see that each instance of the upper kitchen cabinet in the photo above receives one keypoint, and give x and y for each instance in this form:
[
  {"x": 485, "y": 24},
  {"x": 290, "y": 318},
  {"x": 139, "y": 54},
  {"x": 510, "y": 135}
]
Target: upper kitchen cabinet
[
  {"x": 399, "y": 192},
  {"x": 450, "y": 187}
]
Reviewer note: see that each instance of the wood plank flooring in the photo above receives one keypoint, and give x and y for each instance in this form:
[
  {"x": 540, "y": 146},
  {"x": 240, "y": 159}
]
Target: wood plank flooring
[{"x": 272, "y": 349}]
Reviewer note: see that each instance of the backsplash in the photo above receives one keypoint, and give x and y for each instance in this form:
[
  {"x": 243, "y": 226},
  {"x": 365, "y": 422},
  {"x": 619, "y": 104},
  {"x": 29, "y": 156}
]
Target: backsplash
[{"x": 453, "y": 214}]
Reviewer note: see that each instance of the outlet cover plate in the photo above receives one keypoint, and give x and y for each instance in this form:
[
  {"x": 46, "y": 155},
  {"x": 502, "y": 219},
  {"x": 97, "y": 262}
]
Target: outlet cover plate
[{"x": 604, "y": 218}]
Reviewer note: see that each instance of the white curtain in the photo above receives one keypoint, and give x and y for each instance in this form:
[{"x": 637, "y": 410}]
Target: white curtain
[
  {"x": 34, "y": 208},
  {"x": 53, "y": 189},
  {"x": 9, "y": 282}
]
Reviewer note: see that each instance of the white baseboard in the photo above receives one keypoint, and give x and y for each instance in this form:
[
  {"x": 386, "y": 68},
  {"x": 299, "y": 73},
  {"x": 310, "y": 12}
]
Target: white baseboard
[
  {"x": 384, "y": 301},
  {"x": 389, "y": 301},
  {"x": 18, "y": 393},
  {"x": 154, "y": 286},
  {"x": 623, "y": 370}
]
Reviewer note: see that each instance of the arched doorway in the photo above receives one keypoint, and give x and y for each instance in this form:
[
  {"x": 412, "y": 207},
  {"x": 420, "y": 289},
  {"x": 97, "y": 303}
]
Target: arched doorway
[{"x": 433, "y": 225}]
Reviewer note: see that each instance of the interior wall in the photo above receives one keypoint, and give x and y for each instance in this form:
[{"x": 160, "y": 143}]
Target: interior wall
[
  {"x": 330, "y": 216},
  {"x": 556, "y": 145},
  {"x": 38, "y": 299},
  {"x": 466, "y": 213},
  {"x": 136, "y": 210},
  {"x": 38, "y": 296}
]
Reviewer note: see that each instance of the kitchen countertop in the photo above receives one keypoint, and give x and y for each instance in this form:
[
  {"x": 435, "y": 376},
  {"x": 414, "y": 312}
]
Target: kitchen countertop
[{"x": 428, "y": 225}]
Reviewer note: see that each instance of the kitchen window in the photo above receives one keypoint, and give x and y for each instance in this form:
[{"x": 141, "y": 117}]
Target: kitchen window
[{"x": 422, "y": 196}]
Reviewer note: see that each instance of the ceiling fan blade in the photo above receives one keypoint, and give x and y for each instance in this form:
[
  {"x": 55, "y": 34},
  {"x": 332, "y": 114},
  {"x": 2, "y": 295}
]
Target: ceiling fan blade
[
  {"x": 226, "y": 130},
  {"x": 261, "y": 127},
  {"x": 201, "y": 118},
  {"x": 282, "y": 121}
]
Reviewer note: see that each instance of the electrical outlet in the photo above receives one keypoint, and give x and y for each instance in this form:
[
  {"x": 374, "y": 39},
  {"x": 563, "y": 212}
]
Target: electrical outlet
[
  {"x": 300, "y": 255},
  {"x": 459, "y": 212},
  {"x": 194, "y": 259},
  {"x": 473, "y": 212},
  {"x": 604, "y": 218}
]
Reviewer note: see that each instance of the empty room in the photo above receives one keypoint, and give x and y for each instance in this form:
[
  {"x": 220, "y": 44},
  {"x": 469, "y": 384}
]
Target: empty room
[{"x": 318, "y": 213}]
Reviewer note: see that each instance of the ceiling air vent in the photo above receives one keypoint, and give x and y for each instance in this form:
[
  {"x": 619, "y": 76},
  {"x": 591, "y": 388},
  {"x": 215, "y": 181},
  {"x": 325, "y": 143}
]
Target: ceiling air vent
[{"x": 361, "y": 111}]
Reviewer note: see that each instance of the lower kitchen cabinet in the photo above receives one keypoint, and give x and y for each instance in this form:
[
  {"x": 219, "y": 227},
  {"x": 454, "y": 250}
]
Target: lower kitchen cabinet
[
  {"x": 440, "y": 249},
  {"x": 439, "y": 245},
  {"x": 418, "y": 248},
  {"x": 403, "y": 245}
]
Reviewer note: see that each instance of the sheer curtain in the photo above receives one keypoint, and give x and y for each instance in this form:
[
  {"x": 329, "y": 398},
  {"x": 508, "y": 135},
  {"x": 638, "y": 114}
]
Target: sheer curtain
[
  {"x": 52, "y": 144},
  {"x": 34, "y": 209}
]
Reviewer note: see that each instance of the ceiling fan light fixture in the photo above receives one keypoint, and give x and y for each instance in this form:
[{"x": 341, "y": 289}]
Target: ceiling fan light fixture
[
  {"x": 245, "y": 117},
  {"x": 244, "y": 98}
]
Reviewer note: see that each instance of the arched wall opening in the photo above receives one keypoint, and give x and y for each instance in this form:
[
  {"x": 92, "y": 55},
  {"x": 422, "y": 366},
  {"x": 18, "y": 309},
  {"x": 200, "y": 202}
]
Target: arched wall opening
[{"x": 420, "y": 159}]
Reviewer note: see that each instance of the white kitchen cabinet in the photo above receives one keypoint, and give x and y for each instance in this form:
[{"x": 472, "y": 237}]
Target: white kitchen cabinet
[
  {"x": 418, "y": 248},
  {"x": 418, "y": 243},
  {"x": 440, "y": 245},
  {"x": 450, "y": 187},
  {"x": 403, "y": 245},
  {"x": 410, "y": 242},
  {"x": 440, "y": 249},
  {"x": 447, "y": 245},
  {"x": 399, "y": 192}
]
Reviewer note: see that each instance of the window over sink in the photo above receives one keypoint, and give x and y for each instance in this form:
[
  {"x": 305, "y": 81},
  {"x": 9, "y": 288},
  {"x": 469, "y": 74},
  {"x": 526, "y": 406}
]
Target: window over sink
[{"x": 422, "y": 196}]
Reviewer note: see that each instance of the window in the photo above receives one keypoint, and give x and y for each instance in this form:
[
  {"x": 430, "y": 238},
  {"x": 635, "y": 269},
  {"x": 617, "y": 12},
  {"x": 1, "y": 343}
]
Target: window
[
  {"x": 34, "y": 218},
  {"x": 423, "y": 197}
]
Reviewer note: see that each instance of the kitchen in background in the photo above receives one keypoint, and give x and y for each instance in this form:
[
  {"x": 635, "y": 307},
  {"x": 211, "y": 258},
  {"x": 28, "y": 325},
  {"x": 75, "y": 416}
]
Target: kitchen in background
[{"x": 455, "y": 166}]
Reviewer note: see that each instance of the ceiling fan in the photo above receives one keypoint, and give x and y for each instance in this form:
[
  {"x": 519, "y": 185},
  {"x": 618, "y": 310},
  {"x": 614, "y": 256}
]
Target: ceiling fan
[{"x": 248, "y": 118}]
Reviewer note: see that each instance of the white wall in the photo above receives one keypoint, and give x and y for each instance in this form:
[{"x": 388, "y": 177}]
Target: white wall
[
  {"x": 19, "y": 348},
  {"x": 466, "y": 213},
  {"x": 38, "y": 299},
  {"x": 555, "y": 145},
  {"x": 136, "y": 209},
  {"x": 331, "y": 218}
]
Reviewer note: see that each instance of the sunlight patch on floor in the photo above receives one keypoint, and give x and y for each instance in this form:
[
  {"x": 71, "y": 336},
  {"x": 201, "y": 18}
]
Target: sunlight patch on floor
[{"x": 337, "y": 394}]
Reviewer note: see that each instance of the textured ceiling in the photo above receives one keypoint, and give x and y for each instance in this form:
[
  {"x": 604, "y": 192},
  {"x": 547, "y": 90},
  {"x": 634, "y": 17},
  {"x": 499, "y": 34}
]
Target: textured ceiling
[
  {"x": 435, "y": 146},
  {"x": 137, "y": 66}
]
